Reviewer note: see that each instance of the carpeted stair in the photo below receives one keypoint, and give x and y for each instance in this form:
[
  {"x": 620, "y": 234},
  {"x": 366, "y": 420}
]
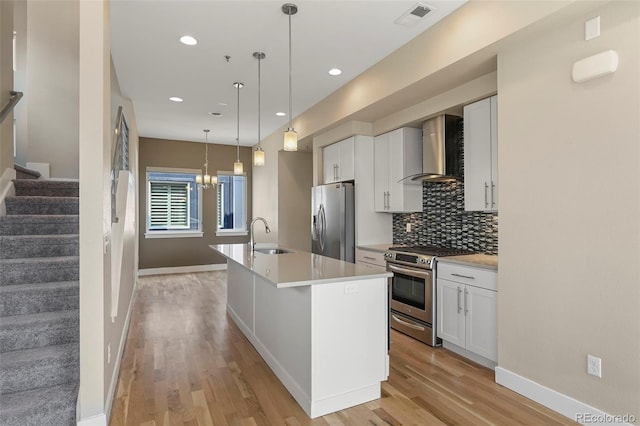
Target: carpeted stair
[
  {"x": 24, "y": 173},
  {"x": 39, "y": 326}
]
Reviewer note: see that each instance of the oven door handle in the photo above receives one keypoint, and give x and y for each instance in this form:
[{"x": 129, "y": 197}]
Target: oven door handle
[
  {"x": 408, "y": 324},
  {"x": 411, "y": 272}
]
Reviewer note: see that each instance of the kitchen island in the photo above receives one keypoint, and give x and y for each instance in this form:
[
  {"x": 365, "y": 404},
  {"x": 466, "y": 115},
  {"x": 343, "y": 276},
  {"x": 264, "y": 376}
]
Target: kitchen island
[{"x": 319, "y": 323}]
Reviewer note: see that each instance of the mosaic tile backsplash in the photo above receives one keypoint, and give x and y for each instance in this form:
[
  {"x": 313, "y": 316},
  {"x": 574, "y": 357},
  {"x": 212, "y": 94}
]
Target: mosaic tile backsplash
[{"x": 444, "y": 222}]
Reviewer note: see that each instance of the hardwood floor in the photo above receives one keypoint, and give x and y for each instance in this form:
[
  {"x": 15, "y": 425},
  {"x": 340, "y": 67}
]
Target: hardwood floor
[{"x": 186, "y": 363}]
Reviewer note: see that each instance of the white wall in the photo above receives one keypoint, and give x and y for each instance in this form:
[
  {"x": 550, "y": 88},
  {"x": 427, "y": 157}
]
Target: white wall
[
  {"x": 115, "y": 329},
  {"x": 99, "y": 95},
  {"x": 50, "y": 79},
  {"x": 569, "y": 168}
]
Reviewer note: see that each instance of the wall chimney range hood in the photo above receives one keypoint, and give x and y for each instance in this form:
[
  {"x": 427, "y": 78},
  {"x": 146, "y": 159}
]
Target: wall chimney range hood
[{"x": 442, "y": 145}]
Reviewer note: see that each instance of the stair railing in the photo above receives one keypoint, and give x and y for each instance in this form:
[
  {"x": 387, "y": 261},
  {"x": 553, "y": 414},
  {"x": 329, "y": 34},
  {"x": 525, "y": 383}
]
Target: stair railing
[
  {"x": 120, "y": 157},
  {"x": 13, "y": 101},
  {"x": 122, "y": 210}
]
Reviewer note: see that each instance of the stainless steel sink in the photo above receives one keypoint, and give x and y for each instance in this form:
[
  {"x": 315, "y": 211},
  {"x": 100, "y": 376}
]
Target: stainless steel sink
[{"x": 272, "y": 251}]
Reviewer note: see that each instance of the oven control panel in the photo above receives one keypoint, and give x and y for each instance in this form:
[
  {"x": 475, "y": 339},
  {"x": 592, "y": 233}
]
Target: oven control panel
[{"x": 417, "y": 260}]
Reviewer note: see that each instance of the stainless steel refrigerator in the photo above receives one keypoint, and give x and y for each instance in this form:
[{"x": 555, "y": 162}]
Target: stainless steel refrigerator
[{"x": 333, "y": 221}]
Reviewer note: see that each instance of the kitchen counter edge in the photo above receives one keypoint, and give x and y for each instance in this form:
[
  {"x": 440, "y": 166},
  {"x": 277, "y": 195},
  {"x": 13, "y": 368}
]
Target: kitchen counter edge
[
  {"x": 350, "y": 271},
  {"x": 485, "y": 261}
]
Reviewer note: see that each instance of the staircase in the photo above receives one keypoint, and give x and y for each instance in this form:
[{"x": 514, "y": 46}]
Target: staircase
[{"x": 39, "y": 326}]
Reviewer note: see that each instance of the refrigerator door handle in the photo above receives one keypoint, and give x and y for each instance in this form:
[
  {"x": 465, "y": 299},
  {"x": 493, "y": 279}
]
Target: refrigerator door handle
[{"x": 322, "y": 220}]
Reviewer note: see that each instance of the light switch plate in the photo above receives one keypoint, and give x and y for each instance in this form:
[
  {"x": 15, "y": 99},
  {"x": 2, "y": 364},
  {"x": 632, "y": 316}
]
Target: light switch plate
[{"x": 592, "y": 28}]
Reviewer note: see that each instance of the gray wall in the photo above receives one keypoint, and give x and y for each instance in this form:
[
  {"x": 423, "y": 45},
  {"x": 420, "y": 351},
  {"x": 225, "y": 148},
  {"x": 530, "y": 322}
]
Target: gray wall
[
  {"x": 294, "y": 199},
  {"x": 172, "y": 252},
  {"x": 6, "y": 83},
  {"x": 569, "y": 170}
]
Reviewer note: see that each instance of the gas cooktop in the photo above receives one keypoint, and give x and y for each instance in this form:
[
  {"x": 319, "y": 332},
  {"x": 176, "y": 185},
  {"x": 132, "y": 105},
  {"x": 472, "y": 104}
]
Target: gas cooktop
[{"x": 430, "y": 250}]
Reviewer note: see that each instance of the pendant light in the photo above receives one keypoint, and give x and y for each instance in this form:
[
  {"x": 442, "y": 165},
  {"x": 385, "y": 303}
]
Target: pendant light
[
  {"x": 290, "y": 136},
  {"x": 258, "y": 154},
  {"x": 206, "y": 181},
  {"x": 237, "y": 166}
]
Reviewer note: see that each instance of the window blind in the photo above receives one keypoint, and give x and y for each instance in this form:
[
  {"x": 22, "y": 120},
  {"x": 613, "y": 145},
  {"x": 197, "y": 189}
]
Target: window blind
[{"x": 169, "y": 205}]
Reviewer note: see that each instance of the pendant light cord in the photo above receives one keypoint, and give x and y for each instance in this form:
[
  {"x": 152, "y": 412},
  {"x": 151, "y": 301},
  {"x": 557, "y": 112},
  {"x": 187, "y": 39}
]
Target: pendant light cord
[
  {"x": 238, "y": 128},
  {"x": 290, "y": 102},
  {"x": 206, "y": 152},
  {"x": 259, "y": 59}
]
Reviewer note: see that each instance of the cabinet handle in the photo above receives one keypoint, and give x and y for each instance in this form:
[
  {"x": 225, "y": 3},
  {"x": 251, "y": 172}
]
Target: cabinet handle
[
  {"x": 335, "y": 172},
  {"x": 466, "y": 311},
  {"x": 463, "y": 276},
  {"x": 369, "y": 257},
  {"x": 493, "y": 187},
  {"x": 388, "y": 201},
  {"x": 459, "y": 297},
  {"x": 385, "y": 200},
  {"x": 486, "y": 201}
]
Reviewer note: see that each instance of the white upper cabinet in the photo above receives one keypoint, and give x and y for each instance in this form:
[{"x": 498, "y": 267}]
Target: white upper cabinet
[
  {"x": 338, "y": 160},
  {"x": 481, "y": 155},
  {"x": 398, "y": 154}
]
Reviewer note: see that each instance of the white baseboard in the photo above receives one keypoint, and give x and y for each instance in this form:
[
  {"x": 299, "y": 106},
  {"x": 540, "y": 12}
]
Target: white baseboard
[
  {"x": 313, "y": 408},
  {"x": 289, "y": 382},
  {"x": 116, "y": 368},
  {"x": 99, "y": 420},
  {"x": 6, "y": 188},
  {"x": 558, "y": 402},
  {"x": 182, "y": 269}
]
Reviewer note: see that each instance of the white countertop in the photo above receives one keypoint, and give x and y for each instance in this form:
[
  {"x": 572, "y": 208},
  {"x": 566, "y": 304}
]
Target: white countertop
[
  {"x": 380, "y": 248},
  {"x": 486, "y": 261},
  {"x": 298, "y": 268}
]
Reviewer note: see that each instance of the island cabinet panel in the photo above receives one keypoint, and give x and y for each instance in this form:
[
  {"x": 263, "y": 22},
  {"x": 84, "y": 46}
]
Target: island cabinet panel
[
  {"x": 349, "y": 339},
  {"x": 319, "y": 323},
  {"x": 283, "y": 326},
  {"x": 240, "y": 294}
]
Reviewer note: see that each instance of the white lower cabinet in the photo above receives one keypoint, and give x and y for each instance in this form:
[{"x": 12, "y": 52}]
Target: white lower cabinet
[
  {"x": 467, "y": 302},
  {"x": 372, "y": 258}
]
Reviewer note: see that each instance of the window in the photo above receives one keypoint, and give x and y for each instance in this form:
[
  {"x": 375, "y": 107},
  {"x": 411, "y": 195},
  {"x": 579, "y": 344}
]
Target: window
[
  {"x": 173, "y": 204},
  {"x": 232, "y": 204}
]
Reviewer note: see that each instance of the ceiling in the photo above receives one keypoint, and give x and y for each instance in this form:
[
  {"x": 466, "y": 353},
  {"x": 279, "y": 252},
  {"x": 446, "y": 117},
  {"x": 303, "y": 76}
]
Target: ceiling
[{"x": 153, "y": 65}]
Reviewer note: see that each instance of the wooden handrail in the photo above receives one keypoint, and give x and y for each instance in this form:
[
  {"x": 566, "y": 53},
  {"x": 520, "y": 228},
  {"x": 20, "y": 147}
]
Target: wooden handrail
[{"x": 15, "y": 98}]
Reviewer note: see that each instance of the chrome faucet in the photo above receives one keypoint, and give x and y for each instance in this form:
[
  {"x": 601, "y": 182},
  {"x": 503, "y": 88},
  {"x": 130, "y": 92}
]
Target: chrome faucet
[{"x": 252, "y": 243}]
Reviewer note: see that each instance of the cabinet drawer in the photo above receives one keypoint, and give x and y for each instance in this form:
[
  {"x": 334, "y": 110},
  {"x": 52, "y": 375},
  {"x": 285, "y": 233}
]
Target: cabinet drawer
[
  {"x": 372, "y": 257},
  {"x": 476, "y": 277}
]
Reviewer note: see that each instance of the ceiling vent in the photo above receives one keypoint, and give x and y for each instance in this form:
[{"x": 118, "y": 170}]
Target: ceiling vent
[{"x": 412, "y": 16}]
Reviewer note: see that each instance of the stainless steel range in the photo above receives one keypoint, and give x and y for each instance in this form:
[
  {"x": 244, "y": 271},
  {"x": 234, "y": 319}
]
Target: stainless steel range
[{"x": 413, "y": 289}]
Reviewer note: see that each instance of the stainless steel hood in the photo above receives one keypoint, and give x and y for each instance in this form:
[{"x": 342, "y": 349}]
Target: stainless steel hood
[{"x": 442, "y": 146}]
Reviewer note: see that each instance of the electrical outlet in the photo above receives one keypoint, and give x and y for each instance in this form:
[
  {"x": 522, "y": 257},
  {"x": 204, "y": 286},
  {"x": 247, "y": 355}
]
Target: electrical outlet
[
  {"x": 109, "y": 353},
  {"x": 351, "y": 288},
  {"x": 408, "y": 227},
  {"x": 594, "y": 366}
]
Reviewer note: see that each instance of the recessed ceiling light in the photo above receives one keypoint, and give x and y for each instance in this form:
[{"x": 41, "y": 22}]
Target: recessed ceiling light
[
  {"x": 335, "y": 71},
  {"x": 215, "y": 114},
  {"x": 188, "y": 40},
  {"x": 280, "y": 114},
  {"x": 176, "y": 99}
]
